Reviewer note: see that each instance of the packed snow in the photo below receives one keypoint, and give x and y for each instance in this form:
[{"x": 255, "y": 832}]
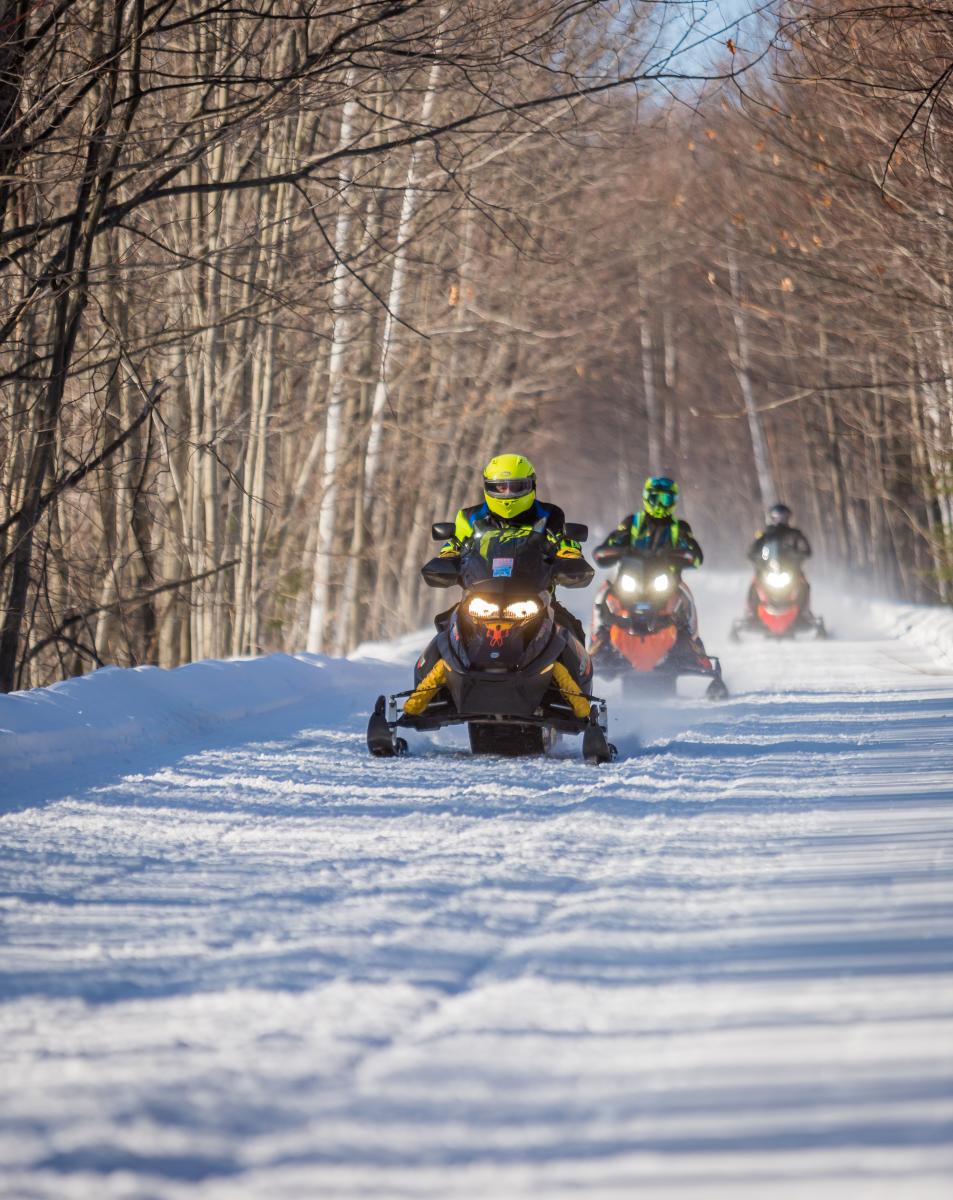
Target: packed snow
[{"x": 243, "y": 959}]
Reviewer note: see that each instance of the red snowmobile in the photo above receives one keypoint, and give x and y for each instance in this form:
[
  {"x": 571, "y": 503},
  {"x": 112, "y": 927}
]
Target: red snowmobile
[
  {"x": 649, "y": 617},
  {"x": 778, "y": 599}
]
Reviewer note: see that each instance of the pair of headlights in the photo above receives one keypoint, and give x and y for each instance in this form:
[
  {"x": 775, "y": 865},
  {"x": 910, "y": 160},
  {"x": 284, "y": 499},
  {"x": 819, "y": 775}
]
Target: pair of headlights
[
  {"x": 519, "y": 610},
  {"x": 777, "y": 579},
  {"x": 660, "y": 584}
]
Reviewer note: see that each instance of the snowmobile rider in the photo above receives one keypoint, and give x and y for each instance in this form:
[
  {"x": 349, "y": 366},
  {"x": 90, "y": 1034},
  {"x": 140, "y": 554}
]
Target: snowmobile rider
[
  {"x": 509, "y": 501},
  {"x": 780, "y": 530},
  {"x": 653, "y": 531},
  {"x": 791, "y": 543}
]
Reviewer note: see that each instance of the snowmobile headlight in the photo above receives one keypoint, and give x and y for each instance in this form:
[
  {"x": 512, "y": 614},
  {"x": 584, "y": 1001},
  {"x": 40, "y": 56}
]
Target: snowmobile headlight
[
  {"x": 661, "y": 583},
  {"x": 478, "y": 607},
  {"x": 628, "y": 583},
  {"x": 777, "y": 579},
  {"x": 519, "y": 610}
]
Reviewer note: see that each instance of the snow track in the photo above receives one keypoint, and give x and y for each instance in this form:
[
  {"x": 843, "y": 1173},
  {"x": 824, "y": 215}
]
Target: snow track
[{"x": 266, "y": 965}]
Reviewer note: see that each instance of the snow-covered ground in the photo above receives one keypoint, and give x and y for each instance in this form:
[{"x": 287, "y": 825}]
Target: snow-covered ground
[{"x": 240, "y": 959}]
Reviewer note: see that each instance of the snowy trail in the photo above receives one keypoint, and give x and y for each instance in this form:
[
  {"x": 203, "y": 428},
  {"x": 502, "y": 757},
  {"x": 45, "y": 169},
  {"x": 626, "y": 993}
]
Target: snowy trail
[{"x": 722, "y": 966}]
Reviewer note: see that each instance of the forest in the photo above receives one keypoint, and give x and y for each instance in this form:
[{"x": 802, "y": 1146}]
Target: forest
[{"x": 277, "y": 280}]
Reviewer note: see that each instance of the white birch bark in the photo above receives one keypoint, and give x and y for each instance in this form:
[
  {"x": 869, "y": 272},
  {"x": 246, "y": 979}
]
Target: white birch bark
[
  {"x": 759, "y": 445},
  {"x": 653, "y": 440},
  {"x": 395, "y": 299},
  {"x": 939, "y": 413},
  {"x": 327, "y": 512},
  {"x": 395, "y": 296}
]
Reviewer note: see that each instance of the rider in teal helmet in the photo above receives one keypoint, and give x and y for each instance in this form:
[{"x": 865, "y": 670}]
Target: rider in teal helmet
[{"x": 653, "y": 530}]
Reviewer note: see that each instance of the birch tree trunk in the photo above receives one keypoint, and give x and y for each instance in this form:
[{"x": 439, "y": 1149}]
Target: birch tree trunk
[
  {"x": 327, "y": 512},
  {"x": 395, "y": 305},
  {"x": 652, "y": 414},
  {"x": 759, "y": 446}
]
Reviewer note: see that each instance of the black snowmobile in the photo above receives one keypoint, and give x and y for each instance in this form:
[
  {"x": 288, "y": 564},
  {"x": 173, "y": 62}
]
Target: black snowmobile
[{"x": 500, "y": 663}]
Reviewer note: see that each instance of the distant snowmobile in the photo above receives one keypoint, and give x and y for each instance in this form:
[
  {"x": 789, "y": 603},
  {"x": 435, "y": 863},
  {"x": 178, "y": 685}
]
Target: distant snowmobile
[
  {"x": 779, "y": 598},
  {"x": 500, "y": 664},
  {"x": 648, "y": 643}
]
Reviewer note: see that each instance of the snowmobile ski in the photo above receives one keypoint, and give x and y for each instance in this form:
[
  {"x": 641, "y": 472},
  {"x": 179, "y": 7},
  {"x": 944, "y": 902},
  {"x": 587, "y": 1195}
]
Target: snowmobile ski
[
  {"x": 381, "y": 739},
  {"x": 596, "y": 748}
]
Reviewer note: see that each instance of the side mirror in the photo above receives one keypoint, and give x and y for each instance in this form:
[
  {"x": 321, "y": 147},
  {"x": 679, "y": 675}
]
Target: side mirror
[
  {"x": 442, "y": 531},
  {"x": 574, "y": 530}
]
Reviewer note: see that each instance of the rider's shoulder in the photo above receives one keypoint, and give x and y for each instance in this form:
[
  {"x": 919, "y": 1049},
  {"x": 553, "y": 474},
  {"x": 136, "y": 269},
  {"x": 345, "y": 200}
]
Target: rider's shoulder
[
  {"x": 463, "y": 526},
  {"x": 628, "y": 522},
  {"x": 555, "y": 517}
]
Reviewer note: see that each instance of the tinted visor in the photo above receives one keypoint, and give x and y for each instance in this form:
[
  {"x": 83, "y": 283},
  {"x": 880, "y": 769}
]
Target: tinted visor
[
  {"x": 660, "y": 496},
  {"x": 507, "y": 489}
]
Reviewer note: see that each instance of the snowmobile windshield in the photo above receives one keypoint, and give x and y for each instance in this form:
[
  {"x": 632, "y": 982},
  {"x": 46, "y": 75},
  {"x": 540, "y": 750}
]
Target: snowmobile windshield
[
  {"x": 505, "y": 615},
  {"x": 507, "y": 562},
  {"x": 778, "y": 549}
]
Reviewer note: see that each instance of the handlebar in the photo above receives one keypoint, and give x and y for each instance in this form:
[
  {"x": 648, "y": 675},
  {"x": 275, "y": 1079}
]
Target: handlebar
[{"x": 609, "y": 555}]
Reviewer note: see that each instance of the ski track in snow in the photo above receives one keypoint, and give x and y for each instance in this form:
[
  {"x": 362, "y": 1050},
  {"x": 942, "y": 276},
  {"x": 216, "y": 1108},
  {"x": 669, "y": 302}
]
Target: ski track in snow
[{"x": 267, "y": 965}]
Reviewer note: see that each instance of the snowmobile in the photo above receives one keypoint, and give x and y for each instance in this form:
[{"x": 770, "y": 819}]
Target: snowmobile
[
  {"x": 500, "y": 663},
  {"x": 780, "y": 598},
  {"x": 646, "y": 642}
]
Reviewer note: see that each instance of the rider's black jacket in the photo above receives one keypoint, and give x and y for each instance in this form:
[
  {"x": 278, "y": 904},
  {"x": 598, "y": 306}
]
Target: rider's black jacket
[
  {"x": 640, "y": 533},
  {"x": 790, "y": 540},
  {"x": 574, "y": 571}
]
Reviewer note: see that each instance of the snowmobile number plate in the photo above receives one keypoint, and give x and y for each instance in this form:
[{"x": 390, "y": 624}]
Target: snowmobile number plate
[{"x": 502, "y": 568}]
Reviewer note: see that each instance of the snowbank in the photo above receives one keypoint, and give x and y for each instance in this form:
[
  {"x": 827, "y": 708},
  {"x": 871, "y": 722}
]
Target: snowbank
[
  {"x": 117, "y": 711},
  {"x": 918, "y": 625}
]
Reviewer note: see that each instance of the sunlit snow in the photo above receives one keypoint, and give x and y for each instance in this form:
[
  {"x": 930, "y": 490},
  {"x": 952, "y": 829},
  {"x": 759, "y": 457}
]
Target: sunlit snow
[{"x": 241, "y": 959}]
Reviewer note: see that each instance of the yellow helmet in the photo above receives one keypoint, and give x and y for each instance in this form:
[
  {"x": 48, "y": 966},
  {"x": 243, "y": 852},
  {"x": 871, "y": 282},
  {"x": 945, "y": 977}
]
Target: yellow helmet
[{"x": 509, "y": 485}]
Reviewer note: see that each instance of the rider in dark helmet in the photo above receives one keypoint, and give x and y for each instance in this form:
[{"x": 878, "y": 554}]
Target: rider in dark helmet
[
  {"x": 790, "y": 541},
  {"x": 779, "y": 529}
]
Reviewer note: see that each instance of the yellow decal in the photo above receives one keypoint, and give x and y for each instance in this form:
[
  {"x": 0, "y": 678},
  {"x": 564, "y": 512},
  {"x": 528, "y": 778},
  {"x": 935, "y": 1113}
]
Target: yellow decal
[{"x": 501, "y": 536}]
